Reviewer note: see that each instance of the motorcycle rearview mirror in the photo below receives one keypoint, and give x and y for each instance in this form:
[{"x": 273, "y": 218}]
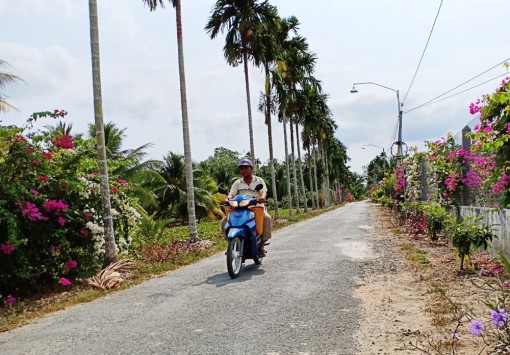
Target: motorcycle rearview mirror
[
  {"x": 259, "y": 187},
  {"x": 221, "y": 190}
]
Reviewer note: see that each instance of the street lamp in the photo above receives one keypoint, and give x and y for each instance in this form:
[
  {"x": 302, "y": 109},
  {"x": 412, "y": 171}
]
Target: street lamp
[
  {"x": 383, "y": 154},
  {"x": 399, "y": 143}
]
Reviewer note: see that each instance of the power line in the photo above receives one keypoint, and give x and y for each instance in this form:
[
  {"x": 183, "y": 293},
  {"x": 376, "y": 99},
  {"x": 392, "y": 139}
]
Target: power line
[
  {"x": 424, "y": 50},
  {"x": 458, "y": 86},
  {"x": 431, "y": 102}
]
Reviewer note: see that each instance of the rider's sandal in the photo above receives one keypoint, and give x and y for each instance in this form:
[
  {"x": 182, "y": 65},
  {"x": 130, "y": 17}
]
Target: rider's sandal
[{"x": 262, "y": 253}]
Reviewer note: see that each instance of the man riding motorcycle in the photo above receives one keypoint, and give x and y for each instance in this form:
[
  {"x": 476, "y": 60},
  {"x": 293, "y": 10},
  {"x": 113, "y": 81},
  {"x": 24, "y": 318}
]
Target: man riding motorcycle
[{"x": 246, "y": 186}]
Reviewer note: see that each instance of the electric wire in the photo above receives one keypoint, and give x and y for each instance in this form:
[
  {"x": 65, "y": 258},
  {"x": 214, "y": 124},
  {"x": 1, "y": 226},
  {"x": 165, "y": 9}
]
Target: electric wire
[
  {"x": 458, "y": 86},
  {"x": 431, "y": 102},
  {"x": 424, "y": 50}
]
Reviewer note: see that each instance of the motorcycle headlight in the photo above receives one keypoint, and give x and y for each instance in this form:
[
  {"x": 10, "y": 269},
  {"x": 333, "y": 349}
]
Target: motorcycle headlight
[
  {"x": 232, "y": 203},
  {"x": 244, "y": 203}
]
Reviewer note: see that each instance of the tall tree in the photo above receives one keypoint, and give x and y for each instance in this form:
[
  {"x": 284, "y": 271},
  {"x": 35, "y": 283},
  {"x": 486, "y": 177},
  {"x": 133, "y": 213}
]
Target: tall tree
[
  {"x": 241, "y": 19},
  {"x": 267, "y": 54},
  {"x": 109, "y": 237},
  {"x": 190, "y": 191},
  {"x": 5, "y": 79}
]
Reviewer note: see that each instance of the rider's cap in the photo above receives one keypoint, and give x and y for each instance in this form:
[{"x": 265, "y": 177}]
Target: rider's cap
[{"x": 245, "y": 162}]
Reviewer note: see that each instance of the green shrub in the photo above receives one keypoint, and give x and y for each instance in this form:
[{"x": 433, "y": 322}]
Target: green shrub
[
  {"x": 468, "y": 235},
  {"x": 437, "y": 218}
]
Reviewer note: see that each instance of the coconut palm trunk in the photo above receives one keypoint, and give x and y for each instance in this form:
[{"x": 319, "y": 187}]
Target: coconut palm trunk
[
  {"x": 190, "y": 190},
  {"x": 315, "y": 174},
  {"x": 248, "y": 101},
  {"x": 287, "y": 163},
  {"x": 294, "y": 170},
  {"x": 327, "y": 195},
  {"x": 109, "y": 237},
  {"x": 270, "y": 139},
  {"x": 300, "y": 167},
  {"x": 309, "y": 163}
]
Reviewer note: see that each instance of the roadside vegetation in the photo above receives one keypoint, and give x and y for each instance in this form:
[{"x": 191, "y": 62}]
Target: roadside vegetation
[{"x": 459, "y": 244}]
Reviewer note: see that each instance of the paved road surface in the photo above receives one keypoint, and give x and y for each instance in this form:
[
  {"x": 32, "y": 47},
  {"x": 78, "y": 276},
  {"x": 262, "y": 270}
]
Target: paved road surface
[{"x": 299, "y": 301}]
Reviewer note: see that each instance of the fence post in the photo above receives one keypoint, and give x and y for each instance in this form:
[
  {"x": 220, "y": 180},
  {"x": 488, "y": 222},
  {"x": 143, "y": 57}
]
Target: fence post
[
  {"x": 466, "y": 198},
  {"x": 424, "y": 181}
]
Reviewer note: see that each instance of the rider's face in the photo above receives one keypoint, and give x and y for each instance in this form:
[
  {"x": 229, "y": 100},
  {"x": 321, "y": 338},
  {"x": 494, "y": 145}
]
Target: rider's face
[{"x": 245, "y": 171}]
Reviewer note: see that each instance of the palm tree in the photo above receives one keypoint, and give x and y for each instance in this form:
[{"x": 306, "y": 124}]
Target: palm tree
[
  {"x": 168, "y": 183},
  {"x": 110, "y": 245},
  {"x": 268, "y": 52},
  {"x": 185, "y": 123},
  {"x": 299, "y": 66},
  {"x": 62, "y": 128},
  {"x": 241, "y": 19},
  {"x": 5, "y": 79},
  {"x": 285, "y": 96},
  {"x": 114, "y": 137}
]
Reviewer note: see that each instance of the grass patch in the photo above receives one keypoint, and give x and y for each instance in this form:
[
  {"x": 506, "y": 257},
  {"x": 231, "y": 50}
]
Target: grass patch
[
  {"x": 24, "y": 312},
  {"x": 415, "y": 255}
]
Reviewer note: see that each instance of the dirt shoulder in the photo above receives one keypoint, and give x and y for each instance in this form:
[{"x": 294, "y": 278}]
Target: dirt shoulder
[{"x": 406, "y": 293}]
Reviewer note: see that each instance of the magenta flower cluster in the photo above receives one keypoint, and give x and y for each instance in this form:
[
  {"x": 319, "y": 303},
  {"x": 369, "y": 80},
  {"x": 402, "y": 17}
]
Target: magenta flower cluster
[
  {"x": 31, "y": 212},
  {"x": 7, "y": 248}
]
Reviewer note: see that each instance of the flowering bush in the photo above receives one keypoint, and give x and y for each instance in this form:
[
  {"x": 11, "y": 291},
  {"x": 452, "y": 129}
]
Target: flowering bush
[
  {"x": 447, "y": 165},
  {"x": 51, "y": 228},
  {"x": 491, "y": 143}
]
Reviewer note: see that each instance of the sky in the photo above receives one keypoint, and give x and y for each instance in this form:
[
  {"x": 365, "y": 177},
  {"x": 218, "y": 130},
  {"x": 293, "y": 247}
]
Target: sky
[{"x": 47, "y": 43}]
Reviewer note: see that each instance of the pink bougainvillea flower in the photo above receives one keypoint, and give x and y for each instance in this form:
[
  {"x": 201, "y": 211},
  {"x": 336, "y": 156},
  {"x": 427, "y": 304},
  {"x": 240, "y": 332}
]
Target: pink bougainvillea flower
[
  {"x": 36, "y": 162},
  {"x": 71, "y": 264},
  {"x": 61, "y": 221},
  {"x": 29, "y": 150},
  {"x": 85, "y": 233},
  {"x": 7, "y": 248},
  {"x": 115, "y": 189},
  {"x": 32, "y": 213},
  {"x": 64, "y": 282},
  {"x": 64, "y": 142},
  {"x": 55, "y": 249},
  {"x": 47, "y": 155},
  {"x": 34, "y": 192},
  {"x": 20, "y": 138},
  {"x": 88, "y": 214},
  {"x": 44, "y": 178},
  {"x": 10, "y": 300},
  {"x": 55, "y": 206}
]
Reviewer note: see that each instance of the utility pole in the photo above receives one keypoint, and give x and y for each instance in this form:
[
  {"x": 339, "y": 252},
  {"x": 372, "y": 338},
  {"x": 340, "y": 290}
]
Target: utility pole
[{"x": 400, "y": 152}]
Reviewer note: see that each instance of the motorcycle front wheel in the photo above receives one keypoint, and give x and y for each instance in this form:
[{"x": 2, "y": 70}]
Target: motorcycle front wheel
[{"x": 234, "y": 257}]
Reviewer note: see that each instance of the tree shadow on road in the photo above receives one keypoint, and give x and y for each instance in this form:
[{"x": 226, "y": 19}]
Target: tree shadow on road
[{"x": 223, "y": 279}]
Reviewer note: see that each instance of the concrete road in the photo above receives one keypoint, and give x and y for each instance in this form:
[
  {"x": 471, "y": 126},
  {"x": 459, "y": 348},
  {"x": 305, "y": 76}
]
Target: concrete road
[{"x": 299, "y": 301}]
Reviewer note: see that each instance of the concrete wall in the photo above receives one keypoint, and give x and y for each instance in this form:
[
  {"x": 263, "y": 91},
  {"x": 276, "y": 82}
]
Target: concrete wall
[{"x": 499, "y": 220}]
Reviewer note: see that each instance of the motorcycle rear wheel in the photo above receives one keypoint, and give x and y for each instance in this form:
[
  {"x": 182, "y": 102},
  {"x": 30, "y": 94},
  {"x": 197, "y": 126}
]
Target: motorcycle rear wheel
[{"x": 234, "y": 257}]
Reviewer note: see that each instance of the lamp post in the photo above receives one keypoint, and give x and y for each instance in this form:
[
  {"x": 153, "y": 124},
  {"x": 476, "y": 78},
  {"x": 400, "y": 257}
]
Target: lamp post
[{"x": 399, "y": 106}]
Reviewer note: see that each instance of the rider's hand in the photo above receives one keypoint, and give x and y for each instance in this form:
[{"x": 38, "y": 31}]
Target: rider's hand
[
  {"x": 261, "y": 200},
  {"x": 223, "y": 202}
]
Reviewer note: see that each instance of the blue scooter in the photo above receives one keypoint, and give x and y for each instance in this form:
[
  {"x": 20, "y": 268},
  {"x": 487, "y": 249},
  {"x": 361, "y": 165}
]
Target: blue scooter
[{"x": 243, "y": 241}]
